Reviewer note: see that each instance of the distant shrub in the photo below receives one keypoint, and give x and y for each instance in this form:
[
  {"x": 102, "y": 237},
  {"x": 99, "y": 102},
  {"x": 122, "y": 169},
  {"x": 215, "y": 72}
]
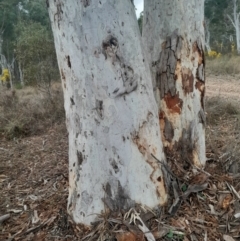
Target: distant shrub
[
  {"x": 223, "y": 65},
  {"x": 18, "y": 86},
  {"x": 28, "y": 111},
  {"x": 36, "y": 52},
  {"x": 212, "y": 54}
]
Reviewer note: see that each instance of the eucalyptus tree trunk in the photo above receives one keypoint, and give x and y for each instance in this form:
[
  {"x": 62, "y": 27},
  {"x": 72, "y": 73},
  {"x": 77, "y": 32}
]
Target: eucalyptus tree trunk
[
  {"x": 20, "y": 73},
  {"x": 111, "y": 115},
  {"x": 236, "y": 23},
  {"x": 173, "y": 38},
  {"x": 3, "y": 61},
  {"x": 207, "y": 36}
]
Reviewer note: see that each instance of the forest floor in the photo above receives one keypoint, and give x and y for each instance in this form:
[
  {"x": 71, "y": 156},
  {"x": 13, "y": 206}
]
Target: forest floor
[
  {"x": 34, "y": 182},
  {"x": 225, "y": 87}
]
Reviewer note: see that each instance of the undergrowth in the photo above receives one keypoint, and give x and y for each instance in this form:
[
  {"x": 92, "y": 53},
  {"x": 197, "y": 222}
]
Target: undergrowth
[
  {"x": 225, "y": 65},
  {"x": 219, "y": 109},
  {"x": 28, "y": 111},
  {"x": 223, "y": 133}
]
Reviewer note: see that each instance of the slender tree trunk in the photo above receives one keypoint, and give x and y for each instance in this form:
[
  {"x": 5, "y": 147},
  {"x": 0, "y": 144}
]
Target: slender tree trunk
[
  {"x": 3, "y": 61},
  {"x": 207, "y": 36},
  {"x": 236, "y": 24},
  {"x": 20, "y": 73},
  {"x": 10, "y": 76},
  {"x": 173, "y": 37},
  {"x": 111, "y": 114},
  {"x": 1, "y": 43},
  {"x": 238, "y": 37},
  {"x": 2, "y": 57}
]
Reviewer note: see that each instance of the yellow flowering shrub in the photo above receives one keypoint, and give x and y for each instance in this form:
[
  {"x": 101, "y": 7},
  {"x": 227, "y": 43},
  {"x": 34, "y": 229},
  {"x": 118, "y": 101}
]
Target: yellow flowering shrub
[
  {"x": 5, "y": 75},
  {"x": 212, "y": 54}
]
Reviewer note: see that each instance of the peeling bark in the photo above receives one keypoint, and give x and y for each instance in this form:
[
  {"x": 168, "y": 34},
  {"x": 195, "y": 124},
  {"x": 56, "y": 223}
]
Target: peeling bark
[
  {"x": 111, "y": 114},
  {"x": 187, "y": 80},
  {"x": 173, "y": 37}
]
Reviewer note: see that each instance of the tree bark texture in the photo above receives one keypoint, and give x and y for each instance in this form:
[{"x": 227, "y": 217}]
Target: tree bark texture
[
  {"x": 173, "y": 38},
  {"x": 236, "y": 24},
  {"x": 111, "y": 114}
]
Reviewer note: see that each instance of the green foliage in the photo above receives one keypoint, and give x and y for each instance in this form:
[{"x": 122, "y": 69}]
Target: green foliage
[
  {"x": 224, "y": 65},
  {"x": 26, "y": 34},
  {"x": 220, "y": 27},
  {"x": 36, "y": 11},
  {"x": 36, "y": 53},
  {"x": 172, "y": 236},
  {"x": 140, "y": 22},
  {"x": 8, "y": 18},
  {"x": 18, "y": 86},
  {"x": 184, "y": 188}
]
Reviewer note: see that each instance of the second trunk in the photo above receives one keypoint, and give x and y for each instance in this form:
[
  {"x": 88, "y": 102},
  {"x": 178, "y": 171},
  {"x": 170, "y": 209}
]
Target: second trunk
[{"x": 173, "y": 37}]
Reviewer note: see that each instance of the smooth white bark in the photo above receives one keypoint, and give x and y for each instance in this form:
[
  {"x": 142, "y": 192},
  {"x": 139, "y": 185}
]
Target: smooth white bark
[
  {"x": 111, "y": 114},
  {"x": 236, "y": 23},
  {"x": 173, "y": 37},
  {"x": 3, "y": 61},
  {"x": 20, "y": 74},
  {"x": 1, "y": 42},
  {"x": 207, "y": 36}
]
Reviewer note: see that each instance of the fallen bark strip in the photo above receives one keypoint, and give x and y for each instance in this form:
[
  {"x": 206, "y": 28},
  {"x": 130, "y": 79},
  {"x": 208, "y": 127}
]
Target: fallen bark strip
[{"x": 4, "y": 218}]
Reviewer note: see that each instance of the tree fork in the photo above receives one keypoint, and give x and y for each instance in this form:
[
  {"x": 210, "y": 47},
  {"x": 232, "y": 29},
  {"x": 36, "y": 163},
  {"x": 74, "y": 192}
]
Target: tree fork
[{"x": 111, "y": 115}]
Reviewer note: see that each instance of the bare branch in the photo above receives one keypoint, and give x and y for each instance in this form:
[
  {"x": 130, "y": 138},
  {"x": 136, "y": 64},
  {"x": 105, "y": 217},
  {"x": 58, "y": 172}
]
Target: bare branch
[
  {"x": 229, "y": 17},
  {"x": 3, "y": 20}
]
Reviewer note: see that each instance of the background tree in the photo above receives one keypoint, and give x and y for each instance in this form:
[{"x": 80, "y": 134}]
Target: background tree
[
  {"x": 218, "y": 24},
  {"x": 235, "y": 21},
  {"x": 35, "y": 11},
  {"x": 26, "y": 42},
  {"x": 8, "y": 17},
  {"x": 35, "y": 51}
]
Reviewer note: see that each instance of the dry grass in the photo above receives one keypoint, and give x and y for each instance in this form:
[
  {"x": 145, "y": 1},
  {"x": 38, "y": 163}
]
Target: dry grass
[
  {"x": 219, "y": 109},
  {"x": 225, "y": 65},
  {"x": 28, "y": 111},
  {"x": 223, "y": 133},
  {"x": 34, "y": 178}
]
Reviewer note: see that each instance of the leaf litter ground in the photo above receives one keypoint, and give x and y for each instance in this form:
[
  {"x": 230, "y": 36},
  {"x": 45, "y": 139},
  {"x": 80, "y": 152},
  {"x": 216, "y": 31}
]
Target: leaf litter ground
[{"x": 34, "y": 190}]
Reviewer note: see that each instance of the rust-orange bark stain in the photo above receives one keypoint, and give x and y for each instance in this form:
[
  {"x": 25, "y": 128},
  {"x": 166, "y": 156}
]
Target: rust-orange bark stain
[
  {"x": 198, "y": 49},
  {"x": 128, "y": 236},
  {"x": 159, "y": 184},
  {"x": 140, "y": 142},
  {"x": 174, "y": 103},
  {"x": 200, "y": 86},
  {"x": 161, "y": 120},
  {"x": 154, "y": 167},
  {"x": 146, "y": 150},
  {"x": 178, "y": 70}
]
